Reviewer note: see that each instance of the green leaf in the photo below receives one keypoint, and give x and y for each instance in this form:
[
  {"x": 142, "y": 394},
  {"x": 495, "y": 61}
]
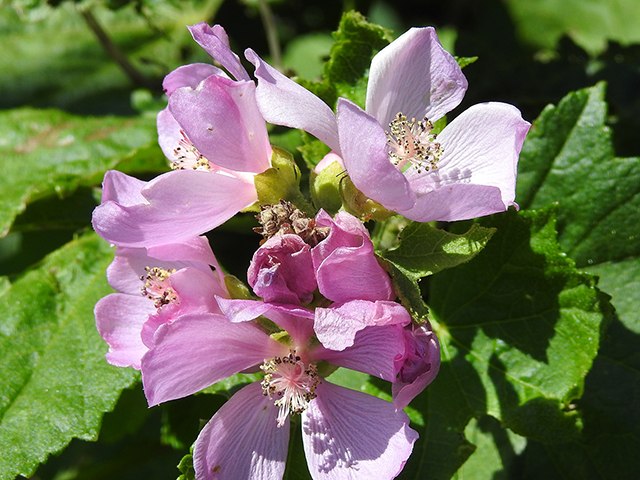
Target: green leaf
[
  {"x": 519, "y": 328},
  {"x": 425, "y": 250},
  {"x": 568, "y": 158},
  {"x": 346, "y": 72},
  {"x": 49, "y": 152},
  {"x": 590, "y": 24},
  {"x": 54, "y": 381}
]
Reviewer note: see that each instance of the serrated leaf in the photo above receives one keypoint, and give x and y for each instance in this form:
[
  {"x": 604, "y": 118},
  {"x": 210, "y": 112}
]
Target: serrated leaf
[
  {"x": 54, "y": 381},
  {"x": 49, "y": 152},
  {"x": 346, "y": 72},
  {"x": 519, "y": 328},
  {"x": 568, "y": 158},
  {"x": 425, "y": 250}
]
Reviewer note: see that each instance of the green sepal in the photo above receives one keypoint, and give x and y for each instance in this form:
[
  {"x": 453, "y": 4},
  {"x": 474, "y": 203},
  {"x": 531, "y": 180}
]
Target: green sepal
[
  {"x": 358, "y": 204},
  {"x": 281, "y": 181},
  {"x": 237, "y": 288},
  {"x": 325, "y": 188}
]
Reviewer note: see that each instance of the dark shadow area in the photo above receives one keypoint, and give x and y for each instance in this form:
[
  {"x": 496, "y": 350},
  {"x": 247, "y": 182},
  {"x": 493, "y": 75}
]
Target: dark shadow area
[
  {"x": 508, "y": 290},
  {"x": 447, "y": 405},
  {"x": 609, "y": 409}
]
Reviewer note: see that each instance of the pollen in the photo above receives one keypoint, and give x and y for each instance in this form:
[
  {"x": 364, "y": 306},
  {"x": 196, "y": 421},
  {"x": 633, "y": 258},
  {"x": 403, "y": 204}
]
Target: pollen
[
  {"x": 188, "y": 157},
  {"x": 156, "y": 286},
  {"x": 291, "y": 382},
  {"x": 412, "y": 144}
]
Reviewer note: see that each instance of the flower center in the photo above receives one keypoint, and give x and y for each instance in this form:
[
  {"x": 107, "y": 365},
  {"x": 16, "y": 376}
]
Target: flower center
[
  {"x": 188, "y": 156},
  {"x": 292, "y": 382},
  {"x": 412, "y": 143},
  {"x": 156, "y": 286}
]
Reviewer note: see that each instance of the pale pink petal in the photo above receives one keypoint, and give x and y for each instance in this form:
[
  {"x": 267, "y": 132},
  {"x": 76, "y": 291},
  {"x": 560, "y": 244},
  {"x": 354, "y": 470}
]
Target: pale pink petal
[
  {"x": 216, "y": 42},
  {"x": 364, "y": 150},
  {"x": 196, "y": 291},
  {"x": 198, "y": 350},
  {"x": 169, "y": 134},
  {"x": 336, "y": 326},
  {"x": 375, "y": 351},
  {"x": 121, "y": 188},
  {"x": 327, "y": 160},
  {"x": 242, "y": 440},
  {"x": 119, "y": 319},
  {"x": 189, "y": 76},
  {"x": 244, "y": 310},
  {"x": 221, "y": 118},
  {"x": 420, "y": 365},
  {"x": 350, "y": 435},
  {"x": 416, "y": 76},
  {"x": 178, "y": 205},
  {"x": 456, "y": 202},
  {"x": 195, "y": 250},
  {"x": 345, "y": 263},
  {"x": 297, "y": 321},
  {"x": 476, "y": 175},
  {"x": 283, "y": 102}
]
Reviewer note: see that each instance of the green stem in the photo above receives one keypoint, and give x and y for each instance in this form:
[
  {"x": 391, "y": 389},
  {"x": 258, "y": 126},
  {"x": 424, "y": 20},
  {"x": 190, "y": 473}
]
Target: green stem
[
  {"x": 115, "y": 53},
  {"x": 269, "y": 22}
]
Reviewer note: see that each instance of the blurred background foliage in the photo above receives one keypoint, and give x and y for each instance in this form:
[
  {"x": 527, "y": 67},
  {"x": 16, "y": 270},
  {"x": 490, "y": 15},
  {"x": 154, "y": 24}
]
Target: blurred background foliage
[{"x": 102, "y": 58}]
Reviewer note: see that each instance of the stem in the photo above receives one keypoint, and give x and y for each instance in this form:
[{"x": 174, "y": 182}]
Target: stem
[
  {"x": 269, "y": 23},
  {"x": 115, "y": 53}
]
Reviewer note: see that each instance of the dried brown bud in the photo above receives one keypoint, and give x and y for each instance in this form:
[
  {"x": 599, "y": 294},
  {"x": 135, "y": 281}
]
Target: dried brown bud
[{"x": 286, "y": 218}]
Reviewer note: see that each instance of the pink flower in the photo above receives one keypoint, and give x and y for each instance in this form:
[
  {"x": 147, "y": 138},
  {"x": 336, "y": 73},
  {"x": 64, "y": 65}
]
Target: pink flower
[
  {"x": 217, "y": 141},
  {"x": 346, "y": 434},
  {"x": 389, "y": 149},
  {"x": 342, "y": 266},
  {"x": 155, "y": 286}
]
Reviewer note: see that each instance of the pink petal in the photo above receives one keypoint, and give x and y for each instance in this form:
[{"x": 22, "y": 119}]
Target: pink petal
[
  {"x": 336, "y": 326},
  {"x": 178, "y": 205},
  {"x": 130, "y": 264},
  {"x": 375, "y": 351},
  {"x": 199, "y": 350},
  {"x": 189, "y": 76},
  {"x": 297, "y": 321},
  {"x": 196, "y": 292},
  {"x": 119, "y": 319},
  {"x": 242, "y": 440},
  {"x": 476, "y": 175},
  {"x": 352, "y": 435},
  {"x": 365, "y": 154},
  {"x": 195, "y": 250},
  {"x": 416, "y": 76},
  {"x": 346, "y": 267},
  {"x": 419, "y": 368},
  {"x": 121, "y": 188},
  {"x": 456, "y": 202},
  {"x": 281, "y": 271},
  {"x": 169, "y": 133},
  {"x": 216, "y": 42},
  {"x": 283, "y": 102},
  {"x": 222, "y": 120}
]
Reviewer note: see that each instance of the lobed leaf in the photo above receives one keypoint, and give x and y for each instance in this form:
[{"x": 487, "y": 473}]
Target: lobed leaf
[
  {"x": 54, "y": 381},
  {"x": 568, "y": 158},
  {"x": 519, "y": 328}
]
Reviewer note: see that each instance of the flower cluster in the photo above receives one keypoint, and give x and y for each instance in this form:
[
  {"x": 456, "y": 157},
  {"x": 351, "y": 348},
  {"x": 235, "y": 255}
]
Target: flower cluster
[{"x": 322, "y": 298}]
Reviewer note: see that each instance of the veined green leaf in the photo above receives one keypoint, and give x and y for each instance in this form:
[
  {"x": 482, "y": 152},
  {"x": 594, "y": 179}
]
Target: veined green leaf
[
  {"x": 49, "y": 152},
  {"x": 54, "y": 381}
]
